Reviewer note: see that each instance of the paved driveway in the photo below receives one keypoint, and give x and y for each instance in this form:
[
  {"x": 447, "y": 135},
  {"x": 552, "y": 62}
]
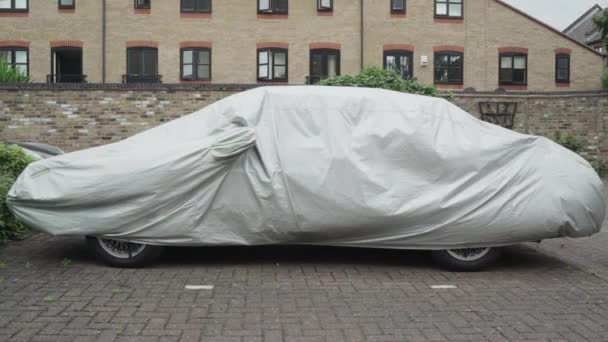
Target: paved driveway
[{"x": 51, "y": 289}]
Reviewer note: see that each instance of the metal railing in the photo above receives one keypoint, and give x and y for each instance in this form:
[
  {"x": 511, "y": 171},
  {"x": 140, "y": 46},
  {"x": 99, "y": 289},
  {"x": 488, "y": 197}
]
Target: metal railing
[
  {"x": 66, "y": 78},
  {"x": 142, "y": 78}
]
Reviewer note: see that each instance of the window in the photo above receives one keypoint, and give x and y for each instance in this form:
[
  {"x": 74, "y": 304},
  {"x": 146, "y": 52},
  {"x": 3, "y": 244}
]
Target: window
[
  {"x": 325, "y": 5},
  {"x": 273, "y": 6},
  {"x": 448, "y": 8},
  {"x": 196, "y": 64},
  {"x": 513, "y": 69},
  {"x": 401, "y": 61},
  {"x": 449, "y": 67},
  {"x": 14, "y": 5},
  {"x": 324, "y": 63},
  {"x": 142, "y": 65},
  {"x": 68, "y": 4},
  {"x": 16, "y": 57},
  {"x": 562, "y": 68},
  {"x": 144, "y": 4},
  {"x": 196, "y": 6},
  {"x": 397, "y": 6},
  {"x": 272, "y": 65}
]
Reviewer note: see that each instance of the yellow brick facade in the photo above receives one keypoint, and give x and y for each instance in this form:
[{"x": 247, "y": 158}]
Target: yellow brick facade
[{"x": 234, "y": 30}]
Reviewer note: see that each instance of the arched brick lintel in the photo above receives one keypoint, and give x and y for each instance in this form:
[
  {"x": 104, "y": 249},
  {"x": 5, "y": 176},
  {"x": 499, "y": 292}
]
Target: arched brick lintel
[
  {"x": 334, "y": 46},
  {"x": 66, "y": 43},
  {"x": 196, "y": 44},
  {"x": 513, "y": 49},
  {"x": 454, "y": 48},
  {"x": 563, "y": 51},
  {"x": 19, "y": 43},
  {"x": 276, "y": 45},
  {"x": 142, "y": 43},
  {"x": 404, "y": 47}
]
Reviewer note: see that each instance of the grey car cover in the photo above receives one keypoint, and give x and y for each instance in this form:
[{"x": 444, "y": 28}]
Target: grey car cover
[{"x": 317, "y": 165}]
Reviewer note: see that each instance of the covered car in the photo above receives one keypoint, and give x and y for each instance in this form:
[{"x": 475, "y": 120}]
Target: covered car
[{"x": 316, "y": 165}]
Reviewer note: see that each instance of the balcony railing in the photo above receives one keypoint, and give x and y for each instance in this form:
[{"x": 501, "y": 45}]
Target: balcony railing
[
  {"x": 142, "y": 78},
  {"x": 66, "y": 78},
  {"x": 314, "y": 79}
]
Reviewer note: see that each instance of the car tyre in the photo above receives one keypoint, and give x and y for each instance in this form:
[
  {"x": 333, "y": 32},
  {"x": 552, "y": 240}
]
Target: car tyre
[
  {"x": 466, "y": 259},
  {"x": 123, "y": 254}
]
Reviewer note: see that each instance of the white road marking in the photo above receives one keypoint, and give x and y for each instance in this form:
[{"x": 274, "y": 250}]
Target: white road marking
[
  {"x": 443, "y": 287},
  {"x": 199, "y": 287}
]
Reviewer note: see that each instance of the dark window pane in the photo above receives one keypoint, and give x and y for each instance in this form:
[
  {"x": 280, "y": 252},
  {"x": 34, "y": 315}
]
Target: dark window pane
[
  {"x": 562, "y": 74},
  {"x": 317, "y": 64},
  {"x": 562, "y": 62},
  {"x": 281, "y": 6},
  {"x": 203, "y": 57},
  {"x": 134, "y": 65},
  {"x": 506, "y": 75},
  {"x": 188, "y": 5},
  {"x": 519, "y": 76}
]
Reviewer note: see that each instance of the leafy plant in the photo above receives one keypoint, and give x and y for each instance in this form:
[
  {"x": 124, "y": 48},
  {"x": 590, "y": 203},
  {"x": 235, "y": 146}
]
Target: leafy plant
[
  {"x": 568, "y": 141},
  {"x": 8, "y": 74},
  {"x": 377, "y": 77},
  {"x": 571, "y": 143},
  {"x": 601, "y": 21},
  {"x": 12, "y": 162},
  {"x": 605, "y": 79}
]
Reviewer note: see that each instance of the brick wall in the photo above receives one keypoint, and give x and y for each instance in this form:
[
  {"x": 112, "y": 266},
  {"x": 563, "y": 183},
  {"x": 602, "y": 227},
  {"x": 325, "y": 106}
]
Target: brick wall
[{"x": 75, "y": 118}]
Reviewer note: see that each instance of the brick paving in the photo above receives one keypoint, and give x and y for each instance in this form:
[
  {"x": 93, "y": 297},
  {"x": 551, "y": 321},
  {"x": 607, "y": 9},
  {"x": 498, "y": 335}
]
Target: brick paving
[{"x": 51, "y": 289}]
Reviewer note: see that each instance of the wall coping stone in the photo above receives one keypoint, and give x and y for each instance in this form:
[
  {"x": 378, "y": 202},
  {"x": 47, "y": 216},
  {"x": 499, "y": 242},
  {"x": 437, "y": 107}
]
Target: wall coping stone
[{"x": 242, "y": 87}]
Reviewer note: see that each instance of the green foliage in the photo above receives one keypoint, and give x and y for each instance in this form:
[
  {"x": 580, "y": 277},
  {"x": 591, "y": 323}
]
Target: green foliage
[
  {"x": 571, "y": 143},
  {"x": 601, "y": 21},
  {"x": 605, "y": 79},
  {"x": 12, "y": 162},
  {"x": 377, "y": 77},
  {"x": 568, "y": 142},
  {"x": 8, "y": 74}
]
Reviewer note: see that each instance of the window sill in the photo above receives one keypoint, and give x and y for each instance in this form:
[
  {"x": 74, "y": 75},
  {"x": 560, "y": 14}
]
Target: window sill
[
  {"x": 142, "y": 11},
  {"x": 325, "y": 13},
  {"x": 66, "y": 10},
  {"x": 7, "y": 14},
  {"x": 195, "y": 15},
  {"x": 398, "y": 14},
  {"x": 562, "y": 84},
  {"x": 449, "y": 86},
  {"x": 273, "y": 16},
  {"x": 448, "y": 20}
]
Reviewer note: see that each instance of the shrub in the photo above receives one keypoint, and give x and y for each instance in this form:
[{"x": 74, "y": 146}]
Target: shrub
[
  {"x": 568, "y": 142},
  {"x": 605, "y": 79},
  {"x": 377, "y": 77},
  {"x": 571, "y": 143},
  {"x": 8, "y": 74},
  {"x": 12, "y": 162}
]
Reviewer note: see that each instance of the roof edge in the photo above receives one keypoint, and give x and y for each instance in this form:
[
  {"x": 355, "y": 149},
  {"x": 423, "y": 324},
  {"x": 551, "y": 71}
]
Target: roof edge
[
  {"x": 580, "y": 19},
  {"x": 549, "y": 27}
]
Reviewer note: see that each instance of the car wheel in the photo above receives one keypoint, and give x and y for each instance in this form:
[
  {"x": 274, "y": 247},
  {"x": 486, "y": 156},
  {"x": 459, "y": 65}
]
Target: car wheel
[
  {"x": 126, "y": 254},
  {"x": 466, "y": 259}
]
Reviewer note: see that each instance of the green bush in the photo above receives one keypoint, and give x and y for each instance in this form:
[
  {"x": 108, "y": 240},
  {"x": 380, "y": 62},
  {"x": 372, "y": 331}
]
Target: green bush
[
  {"x": 568, "y": 142},
  {"x": 377, "y": 77},
  {"x": 8, "y": 74},
  {"x": 605, "y": 79},
  {"x": 12, "y": 162},
  {"x": 571, "y": 143}
]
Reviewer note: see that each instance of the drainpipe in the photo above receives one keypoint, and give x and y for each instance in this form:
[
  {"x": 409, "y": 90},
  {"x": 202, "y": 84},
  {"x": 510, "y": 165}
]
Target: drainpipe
[
  {"x": 361, "y": 34},
  {"x": 103, "y": 42}
]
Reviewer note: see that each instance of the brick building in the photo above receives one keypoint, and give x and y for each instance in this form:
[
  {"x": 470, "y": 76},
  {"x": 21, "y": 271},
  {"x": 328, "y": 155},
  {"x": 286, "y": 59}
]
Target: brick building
[{"x": 453, "y": 44}]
